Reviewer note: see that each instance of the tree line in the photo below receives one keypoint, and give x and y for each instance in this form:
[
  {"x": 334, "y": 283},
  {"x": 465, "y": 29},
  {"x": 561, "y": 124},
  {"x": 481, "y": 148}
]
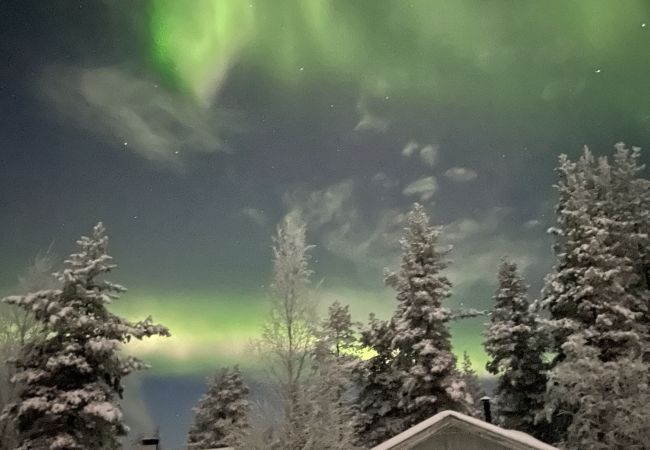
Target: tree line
[{"x": 572, "y": 366}]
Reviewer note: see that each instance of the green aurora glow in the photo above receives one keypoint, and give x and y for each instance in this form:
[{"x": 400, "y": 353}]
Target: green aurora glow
[
  {"x": 459, "y": 52},
  {"x": 209, "y": 330}
]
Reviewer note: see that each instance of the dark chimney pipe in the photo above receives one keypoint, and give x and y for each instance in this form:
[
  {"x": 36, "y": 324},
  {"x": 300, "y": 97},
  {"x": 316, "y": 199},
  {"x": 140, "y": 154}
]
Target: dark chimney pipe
[
  {"x": 486, "y": 409},
  {"x": 151, "y": 441}
]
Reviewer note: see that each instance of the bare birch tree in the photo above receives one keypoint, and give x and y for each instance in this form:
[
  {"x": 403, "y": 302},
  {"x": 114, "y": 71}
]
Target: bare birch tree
[
  {"x": 17, "y": 327},
  {"x": 289, "y": 333}
]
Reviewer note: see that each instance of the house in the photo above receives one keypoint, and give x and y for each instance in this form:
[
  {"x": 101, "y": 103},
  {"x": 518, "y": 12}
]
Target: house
[{"x": 449, "y": 430}]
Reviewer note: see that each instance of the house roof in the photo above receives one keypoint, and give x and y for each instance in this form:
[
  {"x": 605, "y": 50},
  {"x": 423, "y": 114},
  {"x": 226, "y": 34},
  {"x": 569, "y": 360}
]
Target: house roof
[{"x": 452, "y": 419}]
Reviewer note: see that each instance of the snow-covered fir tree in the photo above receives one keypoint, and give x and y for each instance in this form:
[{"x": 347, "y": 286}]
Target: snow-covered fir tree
[
  {"x": 420, "y": 341},
  {"x": 472, "y": 385},
  {"x": 609, "y": 402},
  {"x": 70, "y": 379},
  {"x": 221, "y": 415},
  {"x": 412, "y": 374},
  {"x": 595, "y": 298},
  {"x": 630, "y": 203},
  {"x": 592, "y": 287},
  {"x": 289, "y": 333},
  {"x": 515, "y": 346},
  {"x": 377, "y": 413}
]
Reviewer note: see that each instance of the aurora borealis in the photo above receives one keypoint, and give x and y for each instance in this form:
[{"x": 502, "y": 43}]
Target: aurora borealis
[{"x": 191, "y": 128}]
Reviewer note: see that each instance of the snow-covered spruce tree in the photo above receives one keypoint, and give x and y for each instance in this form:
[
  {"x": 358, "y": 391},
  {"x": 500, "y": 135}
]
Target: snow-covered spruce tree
[
  {"x": 609, "y": 402},
  {"x": 514, "y": 344},
  {"x": 592, "y": 287},
  {"x": 420, "y": 341},
  {"x": 472, "y": 385},
  {"x": 630, "y": 203},
  {"x": 70, "y": 379},
  {"x": 593, "y": 297},
  {"x": 377, "y": 413},
  {"x": 221, "y": 415},
  {"x": 289, "y": 333}
]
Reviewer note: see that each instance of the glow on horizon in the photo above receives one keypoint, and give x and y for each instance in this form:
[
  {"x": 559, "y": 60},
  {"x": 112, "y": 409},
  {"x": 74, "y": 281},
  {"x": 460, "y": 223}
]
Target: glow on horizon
[{"x": 211, "y": 331}]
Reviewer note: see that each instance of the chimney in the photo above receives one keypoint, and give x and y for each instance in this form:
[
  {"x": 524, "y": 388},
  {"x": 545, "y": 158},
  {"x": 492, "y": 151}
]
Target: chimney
[
  {"x": 486, "y": 409},
  {"x": 150, "y": 443}
]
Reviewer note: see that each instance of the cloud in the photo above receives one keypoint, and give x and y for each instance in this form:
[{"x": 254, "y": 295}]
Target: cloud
[
  {"x": 429, "y": 154},
  {"x": 137, "y": 114},
  {"x": 410, "y": 148},
  {"x": 321, "y": 207},
  {"x": 461, "y": 174},
  {"x": 256, "y": 215},
  {"x": 384, "y": 181},
  {"x": 370, "y": 241},
  {"x": 534, "y": 223},
  {"x": 424, "y": 188},
  {"x": 373, "y": 94},
  {"x": 479, "y": 243},
  {"x": 371, "y": 245},
  {"x": 369, "y": 121},
  {"x": 335, "y": 217}
]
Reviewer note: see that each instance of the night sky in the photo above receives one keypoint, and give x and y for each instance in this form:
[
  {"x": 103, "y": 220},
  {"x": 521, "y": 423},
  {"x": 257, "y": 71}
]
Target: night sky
[{"x": 191, "y": 128}]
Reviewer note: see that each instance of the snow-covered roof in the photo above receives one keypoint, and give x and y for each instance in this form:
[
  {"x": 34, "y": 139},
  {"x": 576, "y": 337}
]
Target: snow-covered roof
[{"x": 447, "y": 419}]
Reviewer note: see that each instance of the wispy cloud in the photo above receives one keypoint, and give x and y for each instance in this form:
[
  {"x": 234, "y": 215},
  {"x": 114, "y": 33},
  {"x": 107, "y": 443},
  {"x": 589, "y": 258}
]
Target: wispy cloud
[
  {"x": 429, "y": 154},
  {"x": 322, "y": 207},
  {"x": 369, "y": 121},
  {"x": 333, "y": 215},
  {"x": 424, "y": 188},
  {"x": 135, "y": 113},
  {"x": 256, "y": 215},
  {"x": 384, "y": 181},
  {"x": 480, "y": 241},
  {"x": 461, "y": 174},
  {"x": 410, "y": 148}
]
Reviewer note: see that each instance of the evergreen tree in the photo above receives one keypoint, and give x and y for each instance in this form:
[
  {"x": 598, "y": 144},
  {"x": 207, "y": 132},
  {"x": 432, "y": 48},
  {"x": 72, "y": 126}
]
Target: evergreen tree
[
  {"x": 608, "y": 402},
  {"x": 592, "y": 288},
  {"x": 472, "y": 385},
  {"x": 337, "y": 331},
  {"x": 70, "y": 378},
  {"x": 596, "y": 298},
  {"x": 377, "y": 413},
  {"x": 412, "y": 374},
  {"x": 221, "y": 416},
  {"x": 516, "y": 349},
  {"x": 420, "y": 341},
  {"x": 630, "y": 204}
]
